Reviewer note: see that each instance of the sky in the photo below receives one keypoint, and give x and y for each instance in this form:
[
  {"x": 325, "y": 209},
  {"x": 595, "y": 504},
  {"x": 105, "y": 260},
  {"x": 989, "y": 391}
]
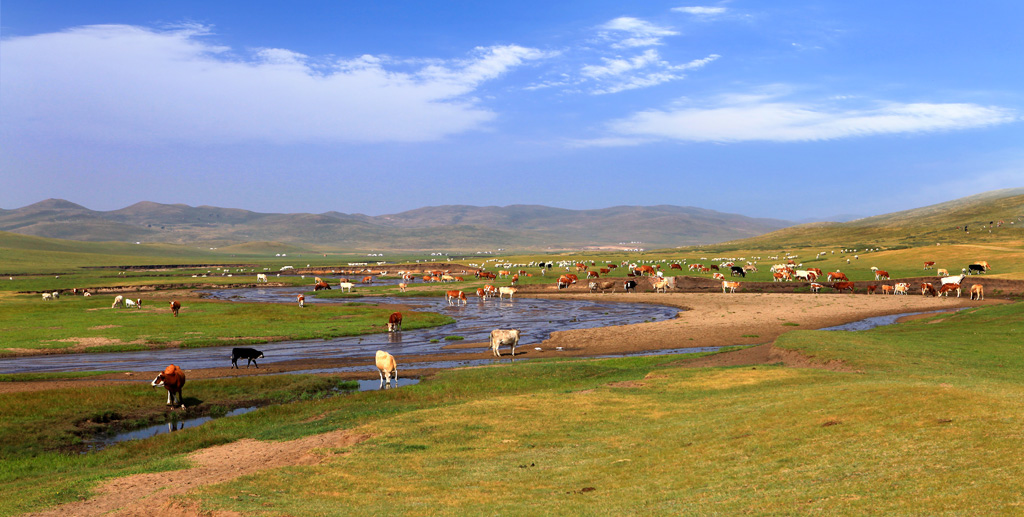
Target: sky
[{"x": 790, "y": 109}]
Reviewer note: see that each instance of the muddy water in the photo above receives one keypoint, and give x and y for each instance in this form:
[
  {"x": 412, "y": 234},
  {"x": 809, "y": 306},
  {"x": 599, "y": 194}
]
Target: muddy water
[{"x": 474, "y": 322}]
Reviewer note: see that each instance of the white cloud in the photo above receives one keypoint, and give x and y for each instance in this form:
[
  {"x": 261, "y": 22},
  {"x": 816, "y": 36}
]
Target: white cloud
[
  {"x": 630, "y": 32},
  {"x": 645, "y": 70},
  {"x": 126, "y": 83},
  {"x": 762, "y": 117},
  {"x": 700, "y": 12}
]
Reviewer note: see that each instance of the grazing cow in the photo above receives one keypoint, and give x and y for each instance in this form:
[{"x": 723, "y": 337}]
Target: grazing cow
[
  {"x": 661, "y": 286},
  {"x": 49, "y": 296},
  {"x": 502, "y": 291},
  {"x": 731, "y": 286},
  {"x": 321, "y": 285},
  {"x": 118, "y": 300},
  {"x": 979, "y": 291},
  {"x": 901, "y": 288},
  {"x": 504, "y": 337},
  {"x": 564, "y": 282},
  {"x": 676, "y": 266},
  {"x": 301, "y": 299},
  {"x": 841, "y": 286},
  {"x": 249, "y": 354},
  {"x": 737, "y": 270},
  {"x": 805, "y": 275},
  {"x": 946, "y": 288},
  {"x": 975, "y": 268},
  {"x": 386, "y": 365},
  {"x": 447, "y": 278},
  {"x": 172, "y": 379},
  {"x": 395, "y": 322},
  {"x": 481, "y": 292},
  {"x": 402, "y": 286},
  {"x": 817, "y": 272},
  {"x": 592, "y": 286},
  {"x": 175, "y": 307},
  {"x": 349, "y": 285},
  {"x": 487, "y": 274},
  {"x": 881, "y": 275},
  {"x": 837, "y": 275},
  {"x": 593, "y": 274},
  {"x": 941, "y": 272},
  {"x": 261, "y": 278},
  {"x": 816, "y": 287},
  {"x": 929, "y": 264},
  {"x": 367, "y": 279},
  {"x": 925, "y": 287},
  {"x": 887, "y": 289},
  {"x": 454, "y": 297},
  {"x": 605, "y": 271},
  {"x": 629, "y": 285},
  {"x": 605, "y": 285},
  {"x": 718, "y": 276},
  {"x": 871, "y": 288},
  {"x": 984, "y": 264},
  {"x": 645, "y": 269},
  {"x": 134, "y": 304}
]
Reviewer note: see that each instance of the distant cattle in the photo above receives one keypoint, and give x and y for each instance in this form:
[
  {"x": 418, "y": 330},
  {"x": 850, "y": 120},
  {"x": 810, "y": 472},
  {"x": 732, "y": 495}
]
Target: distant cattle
[
  {"x": 941, "y": 272},
  {"x": 395, "y": 322},
  {"x": 261, "y": 278},
  {"x": 929, "y": 264},
  {"x": 661, "y": 286},
  {"x": 977, "y": 292},
  {"x": 959, "y": 279},
  {"x": 173, "y": 380},
  {"x": 901, "y": 288},
  {"x": 629, "y": 285},
  {"x": 975, "y": 268},
  {"x": 593, "y": 274},
  {"x": 718, "y": 276},
  {"x": 605, "y": 271},
  {"x": 118, "y": 300},
  {"x": 133, "y": 304},
  {"x": 386, "y": 366},
  {"x": 175, "y": 307},
  {"x": 249, "y": 354},
  {"x": 402, "y": 286},
  {"x": 455, "y": 297},
  {"x": 49, "y": 296},
  {"x": 602, "y": 286},
  {"x": 676, "y": 266},
  {"x": 837, "y": 275},
  {"x": 842, "y": 286},
  {"x": 301, "y": 299},
  {"x": 881, "y": 275},
  {"x": 871, "y": 288},
  {"x": 737, "y": 270},
  {"x": 501, "y": 337},
  {"x": 502, "y": 291},
  {"x": 925, "y": 287},
  {"x": 321, "y": 285},
  {"x": 564, "y": 282},
  {"x": 367, "y": 279},
  {"x": 346, "y": 286},
  {"x": 816, "y": 287},
  {"x": 887, "y": 289},
  {"x": 731, "y": 286}
]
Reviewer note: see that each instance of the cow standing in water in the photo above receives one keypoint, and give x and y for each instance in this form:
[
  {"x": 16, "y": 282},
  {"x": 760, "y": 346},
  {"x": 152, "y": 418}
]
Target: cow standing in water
[
  {"x": 395, "y": 322},
  {"x": 386, "y": 365}
]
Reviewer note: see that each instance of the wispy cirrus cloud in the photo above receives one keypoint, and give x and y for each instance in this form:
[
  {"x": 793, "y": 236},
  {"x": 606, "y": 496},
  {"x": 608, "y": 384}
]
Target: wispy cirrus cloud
[
  {"x": 702, "y": 12},
  {"x": 129, "y": 83},
  {"x": 765, "y": 117},
  {"x": 647, "y": 69},
  {"x": 628, "y": 32}
]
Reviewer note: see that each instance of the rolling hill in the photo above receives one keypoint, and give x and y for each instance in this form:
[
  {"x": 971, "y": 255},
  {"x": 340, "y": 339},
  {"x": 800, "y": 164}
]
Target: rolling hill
[{"x": 443, "y": 227}]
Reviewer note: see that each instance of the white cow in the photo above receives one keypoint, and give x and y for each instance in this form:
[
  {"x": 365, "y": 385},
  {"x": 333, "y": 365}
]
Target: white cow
[
  {"x": 261, "y": 278},
  {"x": 386, "y": 365},
  {"x": 502, "y": 291},
  {"x": 47, "y": 296},
  {"x": 959, "y": 279},
  {"x": 504, "y": 337},
  {"x": 132, "y": 304},
  {"x": 117, "y": 301},
  {"x": 346, "y": 285}
]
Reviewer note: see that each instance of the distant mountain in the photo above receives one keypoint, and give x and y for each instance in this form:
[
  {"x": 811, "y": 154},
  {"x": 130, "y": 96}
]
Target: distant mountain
[
  {"x": 939, "y": 223},
  {"x": 442, "y": 227}
]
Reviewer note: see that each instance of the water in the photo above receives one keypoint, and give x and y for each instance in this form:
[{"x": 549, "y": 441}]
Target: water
[
  {"x": 538, "y": 318},
  {"x": 877, "y": 321}
]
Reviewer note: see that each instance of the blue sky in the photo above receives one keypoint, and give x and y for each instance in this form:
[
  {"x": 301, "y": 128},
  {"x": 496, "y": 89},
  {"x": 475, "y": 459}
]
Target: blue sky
[{"x": 786, "y": 109}]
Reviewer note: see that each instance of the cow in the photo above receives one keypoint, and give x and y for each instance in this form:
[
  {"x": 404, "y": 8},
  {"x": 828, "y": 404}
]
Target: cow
[
  {"x": 881, "y": 275},
  {"x": 645, "y": 269},
  {"x": 402, "y": 286},
  {"x": 737, "y": 270},
  {"x": 175, "y": 307},
  {"x": 901, "y": 288},
  {"x": 676, "y": 266},
  {"x": 871, "y": 288},
  {"x": 817, "y": 271},
  {"x": 816, "y": 287},
  {"x": 731, "y": 286},
  {"x": 941, "y": 272},
  {"x": 249, "y": 354},
  {"x": 778, "y": 277},
  {"x": 321, "y": 285},
  {"x": 979, "y": 291},
  {"x": 837, "y": 275},
  {"x": 134, "y": 304},
  {"x": 172, "y": 379},
  {"x": 395, "y": 322},
  {"x": 49, "y": 296},
  {"x": 629, "y": 285},
  {"x": 975, "y": 268},
  {"x": 447, "y": 278},
  {"x": 959, "y": 279},
  {"x": 661, "y": 286},
  {"x": 984, "y": 264},
  {"x": 367, "y": 279},
  {"x": 718, "y": 276},
  {"x": 925, "y": 287},
  {"x": 604, "y": 271},
  {"x": 502, "y": 291},
  {"x": 386, "y": 365},
  {"x": 261, "y": 278},
  {"x": 593, "y": 274},
  {"x": 841, "y": 286},
  {"x": 805, "y": 275},
  {"x": 454, "y": 297},
  {"x": 602, "y": 286},
  {"x": 504, "y": 337},
  {"x": 946, "y": 288},
  {"x": 564, "y": 282},
  {"x": 118, "y": 300},
  {"x": 887, "y": 289},
  {"x": 929, "y": 264},
  {"x": 349, "y": 285},
  {"x": 301, "y": 299}
]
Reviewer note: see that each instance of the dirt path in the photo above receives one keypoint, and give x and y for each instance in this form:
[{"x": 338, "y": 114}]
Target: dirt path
[{"x": 144, "y": 495}]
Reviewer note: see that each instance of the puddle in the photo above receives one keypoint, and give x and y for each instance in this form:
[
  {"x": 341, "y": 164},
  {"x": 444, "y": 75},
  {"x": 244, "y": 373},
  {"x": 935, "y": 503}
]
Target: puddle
[{"x": 877, "y": 321}]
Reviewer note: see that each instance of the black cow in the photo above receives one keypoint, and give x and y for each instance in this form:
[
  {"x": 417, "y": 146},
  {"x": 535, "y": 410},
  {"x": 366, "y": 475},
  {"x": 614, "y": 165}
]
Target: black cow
[
  {"x": 975, "y": 268},
  {"x": 737, "y": 270},
  {"x": 249, "y": 354},
  {"x": 630, "y": 285}
]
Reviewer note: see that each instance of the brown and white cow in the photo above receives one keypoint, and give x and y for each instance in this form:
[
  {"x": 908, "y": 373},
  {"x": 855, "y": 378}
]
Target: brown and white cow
[
  {"x": 929, "y": 264},
  {"x": 816, "y": 287},
  {"x": 395, "y": 322},
  {"x": 731, "y": 286},
  {"x": 901, "y": 288},
  {"x": 172, "y": 379},
  {"x": 837, "y": 275},
  {"x": 321, "y": 285},
  {"x": 881, "y": 275},
  {"x": 946, "y": 288},
  {"x": 175, "y": 307},
  {"x": 455, "y": 297},
  {"x": 504, "y": 337},
  {"x": 841, "y": 286},
  {"x": 386, "y": 365},
  {"x": 301, "y": 299}
]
